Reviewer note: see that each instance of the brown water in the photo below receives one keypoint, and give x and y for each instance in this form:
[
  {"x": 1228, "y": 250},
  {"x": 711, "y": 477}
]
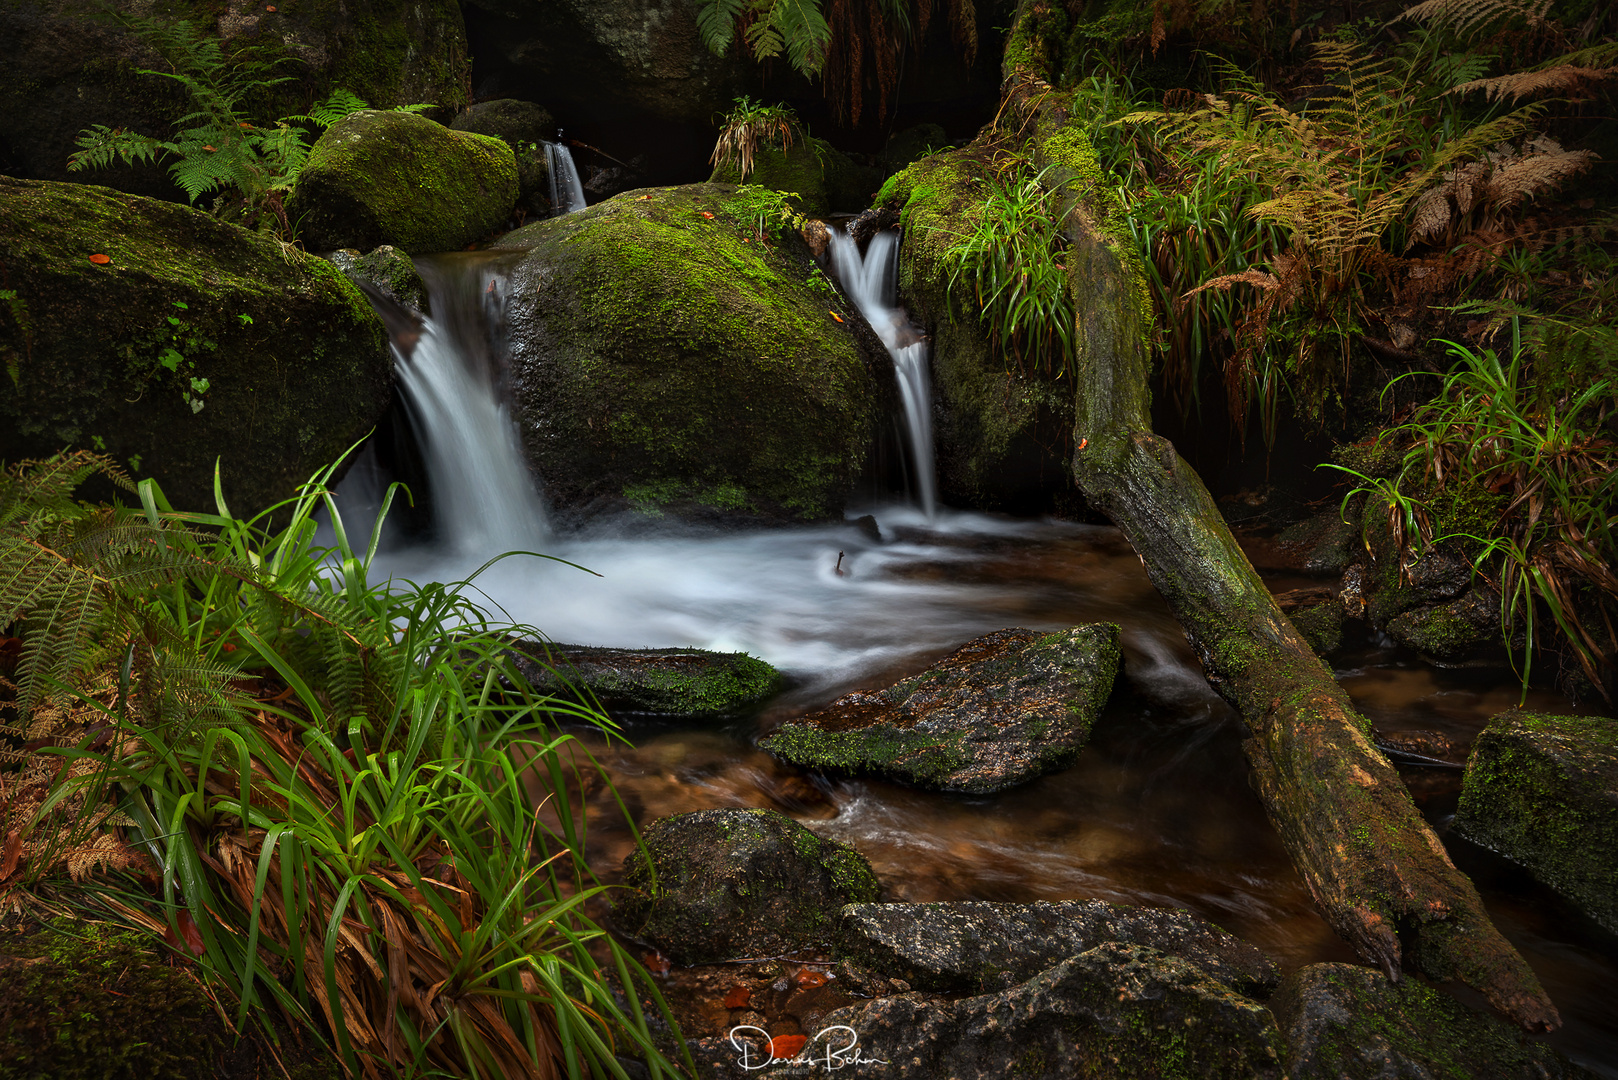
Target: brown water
[{"x": 1158, "y": 809}]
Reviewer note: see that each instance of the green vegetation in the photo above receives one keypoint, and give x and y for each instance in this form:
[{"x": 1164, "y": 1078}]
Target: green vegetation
[
  {"x": 750, "y": 127},
  {"x": 327, "y": 785}
]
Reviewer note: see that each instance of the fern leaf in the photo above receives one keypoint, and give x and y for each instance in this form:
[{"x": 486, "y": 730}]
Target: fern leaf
[
  {"x": 1468, "y": 17},
  {"x": 1563, "y": 80},
  {"x": 806, "y": 32},
  {"x": 716, "y": 22}
]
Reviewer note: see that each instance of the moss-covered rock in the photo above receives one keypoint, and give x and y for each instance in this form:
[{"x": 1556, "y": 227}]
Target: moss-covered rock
[
  {"x": 1002, "y": 436},
  {"x": 387, "y": 270},
  {"x": 525, "y": 127},
  {"x": 1452, "y": 630},
  {"x": 1321, "y": 625},
  {"x": 999, "y": 711},
  {"x": 194, "y": 340},
  {"x": 1117, "y": 1011},
  {"x": 1343, "y": 1021},
  {"x": 723, "y": 884},
  {"x": 664, "y": 361},
  {"x": 667, "y": 682},
  {"x": 823, "y": 178},
  {"x": 397, "y": 178},
  {"x": 65, "y": 70},
  {"x": 1543, "y": 791}
]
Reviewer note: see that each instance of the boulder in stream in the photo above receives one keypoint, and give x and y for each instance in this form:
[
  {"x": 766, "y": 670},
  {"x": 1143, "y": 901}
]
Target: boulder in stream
[
  {"x": 388, "y": 271},
  {"x": 1342, "y": 1021},
  {"x": 1001, "y": 710},
  {"x": 185, "y": 341},
  {"x": 1543, "y": 791},
  {"x": 692, "y": 683},
  {"x": 665, "y": 361},
  {"x": 719, "y": 885},
  {"x": 822, "y": 177},
  {"x": 980, "y": 945},
  {"x": 525, "y": 127},
  {"x": 396, "y": 178}
]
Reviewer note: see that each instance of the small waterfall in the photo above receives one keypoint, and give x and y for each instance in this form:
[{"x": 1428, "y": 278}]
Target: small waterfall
[
  {"x": 484, "y": 499},
  {"x": 869, "y": 282},
  {"x": 567, "y": 194}
]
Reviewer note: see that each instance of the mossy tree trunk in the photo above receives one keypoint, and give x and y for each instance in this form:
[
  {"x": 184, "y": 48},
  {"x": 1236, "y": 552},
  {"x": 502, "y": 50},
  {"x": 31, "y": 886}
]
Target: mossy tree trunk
[{"x": 1376, "y": 870}]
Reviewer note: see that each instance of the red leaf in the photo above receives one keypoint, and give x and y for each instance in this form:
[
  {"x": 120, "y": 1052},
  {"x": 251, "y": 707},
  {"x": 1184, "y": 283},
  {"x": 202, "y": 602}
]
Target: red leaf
[
  {"x": 101, "y": 260},
  {"x": 784, "y": 1047},
  {"x": 189, "y": 931},
  {"x": 656, "y": 963},
  {"x": 738, "y": 997},
  {"x": 270, "y": 7},
  {"x": 13, "y": 852},
  {"x": 834, "y": 315},
  {"x": 707, "y": 214},
  {"x": 809, "y": 978}
]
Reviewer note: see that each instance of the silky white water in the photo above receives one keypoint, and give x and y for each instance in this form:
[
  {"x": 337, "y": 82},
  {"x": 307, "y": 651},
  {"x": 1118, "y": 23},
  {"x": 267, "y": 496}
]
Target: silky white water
[
  {"x": 869, "y": 281},
  {"x": 567, "y": 194}
]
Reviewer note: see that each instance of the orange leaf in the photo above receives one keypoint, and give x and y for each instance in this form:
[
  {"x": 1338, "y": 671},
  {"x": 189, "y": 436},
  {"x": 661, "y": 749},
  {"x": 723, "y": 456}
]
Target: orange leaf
[
  {"x": 188, "y": 931},
  {"x": 210, "y": 149},
  {"x": 269, "y": 7},
  {"x": 738, "y": 997},
  {"x": 783, "y": 1047},
  {"x": 100, "y": 259},
  {"x": 656, "y": 963},
  {"x": 707, "y": 214},
  {"x": 13, "y": 852},
  {"x": 834, "y": 315},
  {"x": 809, "y": 978}
]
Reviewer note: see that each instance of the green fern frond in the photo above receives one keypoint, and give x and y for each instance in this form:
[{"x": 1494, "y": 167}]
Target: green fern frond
[{"x": 716, "y": 22}]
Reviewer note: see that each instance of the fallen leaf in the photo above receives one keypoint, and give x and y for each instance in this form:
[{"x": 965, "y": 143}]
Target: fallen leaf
[
  {"x": 188, "y": 931},
  {"x": 738, "y": 997},
  {"x": 656, "y": 963},
  {"x": 809, "y": 978},
  {"x": 707, "y": 214},
  {"x": 269, "y": 7},
  {"x": 100, "y": 259},
  {"x": 210, "y": 149},
  {"x": 834, "y": 315},
  {"x": 783, "y": 1047},
  {"x": 13, "y": 852},
  {"x": 643, "y": 198}
]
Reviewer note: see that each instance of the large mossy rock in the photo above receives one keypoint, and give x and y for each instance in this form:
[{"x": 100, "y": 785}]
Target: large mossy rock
[
  {"x": 736, "y": 883},
  {"x": 114, "y": 355},
  {"x": 1342, "y": 1021},
  {"x": 1543, "y": 792},
  {"x": 823, "y": 178},
  {"x": 67, "y": 68},
  {"x": 1003, "y": 434},
  {"x": 663, "y": 360},
  {"x": 397, "y": 178},
  {"x": 694, "y": 683},
  {"x": 526, "y": 128},
  {"x": 999, "y": 711},
  {"x": 978, "y": 945},
  {"x": 1117, "y": 1011}
]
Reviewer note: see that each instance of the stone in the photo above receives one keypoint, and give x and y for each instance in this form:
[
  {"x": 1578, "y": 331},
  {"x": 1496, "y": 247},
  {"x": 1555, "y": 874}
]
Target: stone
[
  {"x": 1543, "y": 791},
  {"x": 388, "y": 271},
  {"x": 979, "y": 945},
  {"x": 197, "y": 341},
  {"x": 1341, "y": 1021},
  {"x": 731, "y": 884},
  {"x": 397, "y": 178},
  {"x": 1449, "y": 631},
  {"x": 525, "y": 127},
  {"x": 1324, "y": 543},
  {"x": 823, "y": 178},
  {"x": 667, "y": 682},
  {"x": 665, "y": 362},
  {"x": 1001, "y": 710}
]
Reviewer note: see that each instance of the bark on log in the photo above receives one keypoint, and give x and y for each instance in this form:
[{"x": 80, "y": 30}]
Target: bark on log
[{"x": 1377, "y": 872}]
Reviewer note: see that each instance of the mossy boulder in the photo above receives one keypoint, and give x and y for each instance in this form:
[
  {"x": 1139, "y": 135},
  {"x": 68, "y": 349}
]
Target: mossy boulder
[
  {"x": 823, "y": 178},
  {"x": 193, "y": 341},
  {"x": 397, "y": 178},
  {"x": 525, "y": 127},
  {"x": 719, "y": 885},
  {"x": 664, "y": 361},
  {"x": 66, "y": 68},
  {"x": 1543, "y": 791},
  {"x": 1116, "y": 1011},
  {"x": 692, "y": 683},
  {"x": 387, "y": 270},
  {"x": 1345, "y": 1021},
  {"x": 1003, "y": 434},
  {"x": 1001, "y": 710}
]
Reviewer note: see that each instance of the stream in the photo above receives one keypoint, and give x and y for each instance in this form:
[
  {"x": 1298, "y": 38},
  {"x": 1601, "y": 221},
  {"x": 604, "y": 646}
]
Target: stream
[{"x": 1156, "y": 811}]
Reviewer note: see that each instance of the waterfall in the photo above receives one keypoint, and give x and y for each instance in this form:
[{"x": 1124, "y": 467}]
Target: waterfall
[
  {"x": 567, "y": 194},
  {"x": 483, "y": 497},
  {"x": 869, "y": 282}
]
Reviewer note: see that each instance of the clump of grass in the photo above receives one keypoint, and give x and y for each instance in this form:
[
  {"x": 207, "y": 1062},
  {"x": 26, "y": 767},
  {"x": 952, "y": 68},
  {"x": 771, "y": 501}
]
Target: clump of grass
[
  {"x": 751, "y": 127},
  {"x": 327, "y": 781}
]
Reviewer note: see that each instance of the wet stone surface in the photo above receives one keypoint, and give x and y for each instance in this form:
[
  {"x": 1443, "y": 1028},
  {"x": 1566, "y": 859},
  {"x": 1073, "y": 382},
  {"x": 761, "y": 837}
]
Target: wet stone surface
[{"x": 667, "y": 682}]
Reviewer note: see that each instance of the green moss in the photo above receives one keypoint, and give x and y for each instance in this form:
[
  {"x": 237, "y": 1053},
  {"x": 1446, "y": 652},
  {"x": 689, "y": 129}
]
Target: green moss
[{"x": 926, "y": 758}]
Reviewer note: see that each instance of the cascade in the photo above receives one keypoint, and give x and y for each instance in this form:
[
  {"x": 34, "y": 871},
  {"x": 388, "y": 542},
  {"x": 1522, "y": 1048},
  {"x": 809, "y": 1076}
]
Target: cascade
[
  {"x": 567, "y": 194},
  {"x": 869, "y": 281}
]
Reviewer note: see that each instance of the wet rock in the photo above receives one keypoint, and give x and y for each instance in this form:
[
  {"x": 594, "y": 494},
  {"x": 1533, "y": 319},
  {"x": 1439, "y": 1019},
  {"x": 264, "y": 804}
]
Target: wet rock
[
  {"x": 1318, "y": 613},
  {"x": 823, "y": 178},
  {"x": 1449, "y": 631},
  {"x": 396, "y": 178},
  {"x": 979, "y": 945},
  {"x": 387, "y": 270},
  {"x": 1342, "y": 1021},
  {"x": 1001, "y": 710},
  {"x": 525, "y": 127},
  {"x": 1323, "y": 544},
  {"x": 870, "y": 222},
  {"x": 195, "y": 341},
  {"x": 1543, "y": 791},
  {"x": 1426, "y": 747},
  {"x": 661, "y": 364},
  {"x": 737, "y": 883},
  {"x": 1115, "y": 1011},
  {"x": 816, "y": 236},
  {"x": 669, "y": 682}
]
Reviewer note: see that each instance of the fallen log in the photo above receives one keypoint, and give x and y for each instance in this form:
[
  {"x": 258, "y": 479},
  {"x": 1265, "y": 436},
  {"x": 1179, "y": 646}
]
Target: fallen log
[{"x": 1376, "y": 870}]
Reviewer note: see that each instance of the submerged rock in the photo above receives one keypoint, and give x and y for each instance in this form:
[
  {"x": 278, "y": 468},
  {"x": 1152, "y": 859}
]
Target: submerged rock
[
  {"x": 662, "y": 361},
  {"x": 1345, "y": 1021},
  {"x": 194, "y": 341},
  {"x": 1543, "y": 792},
  {"x": 979, "y": 945},
  {"x": 396, "y": 178},
  {"x": 1116, "y": 1011},
  {"x": 737, "y": 883},
  {"x": 1001, "y": 710},
  {"x": 669, "y": 682}
]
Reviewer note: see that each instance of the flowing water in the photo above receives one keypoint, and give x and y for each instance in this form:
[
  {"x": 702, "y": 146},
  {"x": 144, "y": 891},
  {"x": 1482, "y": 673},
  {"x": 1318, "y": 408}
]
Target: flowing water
[
  {"x": 1157, "y": 810},
  {"x": 567, "y": 194}
]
